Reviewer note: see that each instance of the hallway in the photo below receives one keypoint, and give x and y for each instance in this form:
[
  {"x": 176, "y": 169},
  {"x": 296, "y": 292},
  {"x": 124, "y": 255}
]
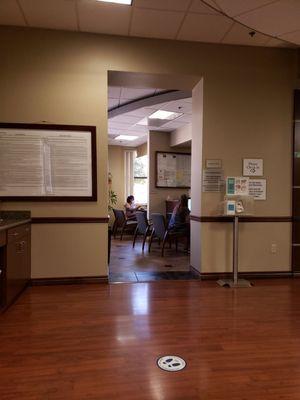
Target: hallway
[{"x": 128, "y": 264}]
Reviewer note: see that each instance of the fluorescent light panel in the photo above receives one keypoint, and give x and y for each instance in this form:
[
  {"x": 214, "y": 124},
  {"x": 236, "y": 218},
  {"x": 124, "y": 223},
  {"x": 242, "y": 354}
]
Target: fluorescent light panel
[
  {"x": 161, "y": 114},
  {"x": 126, "y": 2},
  {"x": 126, "y": 137}
]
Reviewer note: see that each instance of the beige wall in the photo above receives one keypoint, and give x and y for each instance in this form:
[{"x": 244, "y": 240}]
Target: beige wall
[
  {"x": 142, "y": 150},
  {"x": 116, "y": 168},
  {"x": 181, "y": 136},
  {"x": 61, "y": 77},
  {"x": 160, "y": 141}
]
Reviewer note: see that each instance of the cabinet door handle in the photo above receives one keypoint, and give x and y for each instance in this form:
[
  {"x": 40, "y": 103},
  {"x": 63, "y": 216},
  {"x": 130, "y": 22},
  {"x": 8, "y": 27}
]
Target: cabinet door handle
[{"x": 13, "y": 234}]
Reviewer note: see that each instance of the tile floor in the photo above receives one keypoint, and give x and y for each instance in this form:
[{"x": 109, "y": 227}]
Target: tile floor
[{"x": 128, "y": 264}]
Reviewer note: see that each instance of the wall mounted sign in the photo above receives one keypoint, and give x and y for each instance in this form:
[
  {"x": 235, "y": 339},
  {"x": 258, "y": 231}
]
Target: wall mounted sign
[
  {"x": 253, "y": 167},
  {"x": 213, "y": 180},
  {"x": 173, "y": 170},
  {"x": 47, "y": 162},
  {"x": 258, "y": 189},
  {"x": 237, "y": 185},
  {"x": 216, "y": 163}
]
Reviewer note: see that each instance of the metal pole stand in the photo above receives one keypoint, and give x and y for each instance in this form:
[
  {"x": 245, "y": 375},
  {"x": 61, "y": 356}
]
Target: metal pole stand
[{"x": 235, "y": 282}]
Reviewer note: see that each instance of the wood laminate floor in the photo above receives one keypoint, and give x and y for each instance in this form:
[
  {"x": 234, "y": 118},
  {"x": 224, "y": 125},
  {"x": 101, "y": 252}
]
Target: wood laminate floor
[{"x": 95, "y": 342}]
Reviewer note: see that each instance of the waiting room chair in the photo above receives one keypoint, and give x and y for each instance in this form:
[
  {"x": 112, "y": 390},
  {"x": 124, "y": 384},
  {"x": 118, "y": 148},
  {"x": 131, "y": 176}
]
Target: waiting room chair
[
  {"x": 161, "y": 232},
  {"x": 122, "y": 223},
  {"x": 143, "y": 227}
]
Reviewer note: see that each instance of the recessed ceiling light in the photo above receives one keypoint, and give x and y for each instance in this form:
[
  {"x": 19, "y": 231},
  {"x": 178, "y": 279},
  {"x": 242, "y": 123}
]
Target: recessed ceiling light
[
  {"x": 126, "y": 2},
  {"x": 161, "y": 114},
  {"x": 159, "y": 118},
  {"x": 126, "y": 137}
]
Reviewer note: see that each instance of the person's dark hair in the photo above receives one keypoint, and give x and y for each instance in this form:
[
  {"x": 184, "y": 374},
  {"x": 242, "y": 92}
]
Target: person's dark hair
[
  {"x": 130, "y": 198},
  {"x": 183, "y": 201}
]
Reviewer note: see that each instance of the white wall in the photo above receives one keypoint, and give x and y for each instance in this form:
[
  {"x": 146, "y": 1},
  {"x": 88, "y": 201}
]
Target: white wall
[{"x": 181, "y": 136}]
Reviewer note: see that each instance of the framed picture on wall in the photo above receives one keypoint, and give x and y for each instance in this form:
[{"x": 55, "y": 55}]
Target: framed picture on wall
[
  {"x": 173, "y": 170},
  {"x": 40, "y": 162}
]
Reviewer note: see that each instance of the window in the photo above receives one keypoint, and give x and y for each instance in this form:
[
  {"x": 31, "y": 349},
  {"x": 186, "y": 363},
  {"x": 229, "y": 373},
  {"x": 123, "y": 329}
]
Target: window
[{"x": 140, "y": 179}]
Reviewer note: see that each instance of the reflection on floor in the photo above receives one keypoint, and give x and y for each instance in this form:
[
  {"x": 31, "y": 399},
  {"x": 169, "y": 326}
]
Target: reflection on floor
[
  {"x": 128, "y": 264},
  {"x": 101, "y": 342}
]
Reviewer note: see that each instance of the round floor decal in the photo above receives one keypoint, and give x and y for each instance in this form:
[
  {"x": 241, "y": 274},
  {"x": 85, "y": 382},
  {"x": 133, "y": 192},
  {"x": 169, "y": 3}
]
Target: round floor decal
[{"x": 171, "y": 363}]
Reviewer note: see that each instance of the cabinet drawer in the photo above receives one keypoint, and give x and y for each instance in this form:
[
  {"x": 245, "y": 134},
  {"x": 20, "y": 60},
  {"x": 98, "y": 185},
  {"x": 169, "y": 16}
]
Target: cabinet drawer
[
  {"x": 17, "y": 232},
  {"x": 2, "y": 238}
]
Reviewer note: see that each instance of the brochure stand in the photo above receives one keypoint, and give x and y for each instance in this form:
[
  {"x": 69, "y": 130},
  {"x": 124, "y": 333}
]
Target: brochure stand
[{"x": 235, "y": 282}]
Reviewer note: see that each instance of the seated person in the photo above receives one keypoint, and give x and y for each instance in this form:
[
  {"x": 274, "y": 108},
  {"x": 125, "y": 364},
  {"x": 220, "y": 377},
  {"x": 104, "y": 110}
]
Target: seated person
[
  {"x": 180, "y": 219},
  {"x": 131, "y": 208}
]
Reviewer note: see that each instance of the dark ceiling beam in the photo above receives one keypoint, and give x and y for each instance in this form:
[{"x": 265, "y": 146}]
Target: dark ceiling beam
[{"x": 149, "y": 101}]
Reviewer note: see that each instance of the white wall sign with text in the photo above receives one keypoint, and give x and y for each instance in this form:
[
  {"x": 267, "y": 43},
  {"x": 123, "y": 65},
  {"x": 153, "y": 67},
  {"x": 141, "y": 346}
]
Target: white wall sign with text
[
  {"x": 253, "y": 167},
  {"x": 213, "y": 163},
  {"x": 258, "y": 189},
  {"x": 213, "y": 180}
]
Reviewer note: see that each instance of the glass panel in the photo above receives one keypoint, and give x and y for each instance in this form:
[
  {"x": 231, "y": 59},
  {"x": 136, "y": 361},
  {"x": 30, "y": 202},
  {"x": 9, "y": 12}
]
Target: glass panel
[
  {"x": 140, "y": 190},
  {"x": 140, "y": 167}
]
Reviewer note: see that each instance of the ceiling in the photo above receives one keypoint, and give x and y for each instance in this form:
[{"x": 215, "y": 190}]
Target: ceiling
[
  {"x": 118, "y": 96},
  {"x": 127, "y": 123},
  {"x": 276, "y": 22}
]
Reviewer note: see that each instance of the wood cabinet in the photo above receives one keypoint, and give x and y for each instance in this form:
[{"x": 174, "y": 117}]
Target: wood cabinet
[{"x": 17, "y": 269}]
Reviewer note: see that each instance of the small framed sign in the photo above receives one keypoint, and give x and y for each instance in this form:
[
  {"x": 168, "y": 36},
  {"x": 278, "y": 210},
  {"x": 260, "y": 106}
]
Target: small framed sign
[
  {"x": 253, "y": 167},
  {"x": 213, "y": 163}
]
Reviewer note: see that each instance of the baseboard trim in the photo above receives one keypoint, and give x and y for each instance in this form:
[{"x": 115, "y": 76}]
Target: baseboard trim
[
  {"x": 247, "y": 275},
  {"x": 76, "y": 280}
]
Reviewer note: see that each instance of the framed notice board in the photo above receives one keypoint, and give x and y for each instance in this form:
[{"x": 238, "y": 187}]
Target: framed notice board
[
  {"x": 173, "y": 170},
  {"x": 40, "y": 162}
]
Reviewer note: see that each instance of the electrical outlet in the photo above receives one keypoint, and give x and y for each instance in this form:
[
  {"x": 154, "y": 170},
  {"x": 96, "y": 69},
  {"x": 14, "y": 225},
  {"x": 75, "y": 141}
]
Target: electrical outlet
[{"x": 273, "y": 248}]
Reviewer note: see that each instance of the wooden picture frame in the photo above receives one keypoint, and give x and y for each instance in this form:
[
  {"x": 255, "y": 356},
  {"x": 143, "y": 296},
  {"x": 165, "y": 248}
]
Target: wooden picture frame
[{"x": 63, "y": 133}]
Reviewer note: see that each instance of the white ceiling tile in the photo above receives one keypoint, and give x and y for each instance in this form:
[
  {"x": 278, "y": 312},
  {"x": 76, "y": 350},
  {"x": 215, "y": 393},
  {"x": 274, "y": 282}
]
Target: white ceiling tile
[
  {"x": 113, "y": 103},
  {"x": 199, "y": 7},
  {"x": 239, "y": 34},
  {"x": 134, "y": 93},
  {"x": 125, "y": 119},
  {"x": 54, "y": 14},
  {"x": 155, "y": 24},
  {"x": 236, "y": 7},
  {"x": 293, "y": 37},
  {"x": 124, "y": 101},
  {"x": 273, "y": 42},
  {"x": 158, "y": 106},
  {"x": 141, "y": 112},
  {"x": 187, "y": 118},
  {"x": 204, "y": 28},
  {"x": 112, "y": 131},
  {"x": 139, "y": 128},
  {"x": 178, "y": 106},
  {"x": 275, "y": 19},
  {"x": 99, "y": 17},
  {"x": 171, "y": 5},
  {"x": 114, "y": 92},
  {"x": 213, "y": 3},
  {"x": 118, "y": 125},
  {"x": 10, "y": 13}
]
